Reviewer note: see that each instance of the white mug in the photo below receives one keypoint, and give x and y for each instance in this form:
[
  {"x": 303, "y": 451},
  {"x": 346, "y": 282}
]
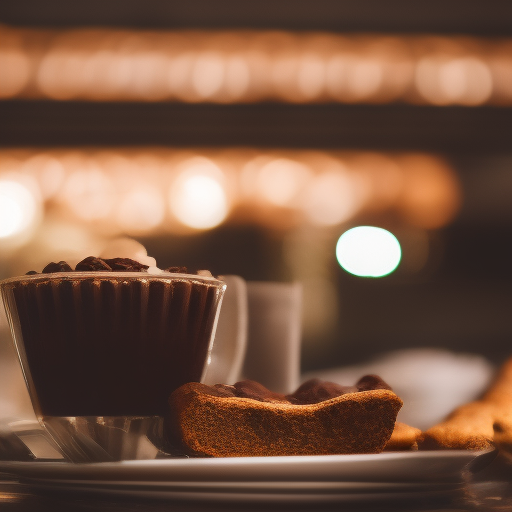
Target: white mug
[{"x": 258, "y": 335}]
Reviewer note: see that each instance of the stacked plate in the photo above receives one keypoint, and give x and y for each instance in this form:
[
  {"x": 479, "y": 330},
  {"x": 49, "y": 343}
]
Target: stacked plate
[{"x": 332, "y": 478}]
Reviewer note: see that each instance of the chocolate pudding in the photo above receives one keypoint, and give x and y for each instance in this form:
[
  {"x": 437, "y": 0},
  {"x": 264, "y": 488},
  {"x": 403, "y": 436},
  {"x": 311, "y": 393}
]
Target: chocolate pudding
[{"x": 110, "y": 343}]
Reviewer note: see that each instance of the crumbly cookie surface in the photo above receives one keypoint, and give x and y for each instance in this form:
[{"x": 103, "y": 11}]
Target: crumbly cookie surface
[{"x": 203, "y": 421}]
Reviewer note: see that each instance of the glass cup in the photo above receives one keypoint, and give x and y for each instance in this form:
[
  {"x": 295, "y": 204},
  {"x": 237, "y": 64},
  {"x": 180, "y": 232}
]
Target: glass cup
[{"x": 102, "y": 351}]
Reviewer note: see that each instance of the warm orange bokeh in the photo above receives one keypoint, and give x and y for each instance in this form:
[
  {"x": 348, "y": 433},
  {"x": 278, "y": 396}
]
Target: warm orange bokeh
[
  {"x": 248, "y": 66},
  {"x": 149, "y": 191}
]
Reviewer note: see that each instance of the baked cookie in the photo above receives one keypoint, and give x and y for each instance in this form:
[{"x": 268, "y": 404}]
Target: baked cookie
[{"x": 248, "y": 420}]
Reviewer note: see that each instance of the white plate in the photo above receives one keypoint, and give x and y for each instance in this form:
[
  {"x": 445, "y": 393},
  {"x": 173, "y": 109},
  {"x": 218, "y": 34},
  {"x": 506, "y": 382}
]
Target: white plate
[
  {"x": 428, "y": 466},
  {"x": 330, "y": 476},
  {"x": 308, "y": 492}
]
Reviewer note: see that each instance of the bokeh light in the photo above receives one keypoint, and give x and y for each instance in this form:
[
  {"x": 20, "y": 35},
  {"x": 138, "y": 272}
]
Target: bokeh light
[
  {"x": 208, "y": 74},
  {"x": 467, "y": 81},
  {"x": 430, "y": 193},
  {"x": 280, "y": 181},
  {"x": 89, "y": 193},
  {"x": 332, "y": 198},
  {"x": 141, "y": 210},
  {"x": 48, "y": 171},
  {"x": 443, "y": 80},
  {"x": 237, "y": 77},
  {"x": 18, "y": 208},
  {"x": 197, "y": 197},
  {"x": 311, "y": 75},
  {"x": 233, "y": 66},
  {"x": 368, "y": 251},
  {"x": 15, "y": 65},
  {"x": 11, "y": 211},
  {"x": 143, "y": 192}
]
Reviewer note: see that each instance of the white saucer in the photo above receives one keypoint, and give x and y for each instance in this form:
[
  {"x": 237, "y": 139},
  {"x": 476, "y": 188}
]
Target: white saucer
[{"x": 311, "y": 478}]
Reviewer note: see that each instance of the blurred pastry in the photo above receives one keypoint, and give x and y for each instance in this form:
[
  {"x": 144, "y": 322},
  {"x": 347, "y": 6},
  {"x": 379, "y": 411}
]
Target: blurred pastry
[
  {"x": 503, "y": 434},
  {"x": 404, "y": 437},
  {"x": 477, "y": 425},
  {"x": 469, "y": 427}
]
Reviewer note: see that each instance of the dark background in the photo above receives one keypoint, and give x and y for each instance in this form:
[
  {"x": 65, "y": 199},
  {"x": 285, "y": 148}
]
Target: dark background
[{"x": 463, "y": 302}]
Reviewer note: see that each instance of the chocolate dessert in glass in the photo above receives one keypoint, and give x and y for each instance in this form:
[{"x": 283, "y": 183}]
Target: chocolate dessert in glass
[{"x": 109, "y": 339}]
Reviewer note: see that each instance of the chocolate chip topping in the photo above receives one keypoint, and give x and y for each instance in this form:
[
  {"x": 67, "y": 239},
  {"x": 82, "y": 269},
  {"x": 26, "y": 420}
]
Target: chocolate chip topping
[
  {"x": 369, "y": 382},
  {"x": 125, "y": 265},
  {"x": 248, "y": 389},
  {"x": 315, "y": 390},
  {"x": 93, "y": 264},
  {"x": 61, "y": 266},
  {"x": 256, "y": 391},
  {"x": 177, "y": 270},
  {"x": 224, "y": 390},
  {"x": 310, "y": 392}
]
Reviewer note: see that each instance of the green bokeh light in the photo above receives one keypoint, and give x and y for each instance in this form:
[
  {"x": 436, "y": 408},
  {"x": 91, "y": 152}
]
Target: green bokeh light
[{"x": 368, "y": 251}]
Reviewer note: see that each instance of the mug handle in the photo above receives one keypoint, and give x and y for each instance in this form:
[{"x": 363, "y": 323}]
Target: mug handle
[{"x": 230, "y": 341}]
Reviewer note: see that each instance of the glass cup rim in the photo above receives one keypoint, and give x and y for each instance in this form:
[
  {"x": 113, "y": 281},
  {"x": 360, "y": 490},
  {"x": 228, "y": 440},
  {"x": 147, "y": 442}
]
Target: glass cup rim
[{"x": 133, "y": 276}]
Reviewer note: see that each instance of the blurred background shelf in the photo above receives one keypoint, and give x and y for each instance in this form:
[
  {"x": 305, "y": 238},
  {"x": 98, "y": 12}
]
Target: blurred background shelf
[
  {"x": 453, "y": 130},
  {"x": 391, "y": 16}
]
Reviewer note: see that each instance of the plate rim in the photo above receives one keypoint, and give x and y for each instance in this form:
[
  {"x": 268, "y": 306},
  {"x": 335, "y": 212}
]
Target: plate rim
[{"x": 130, "y": 468}]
